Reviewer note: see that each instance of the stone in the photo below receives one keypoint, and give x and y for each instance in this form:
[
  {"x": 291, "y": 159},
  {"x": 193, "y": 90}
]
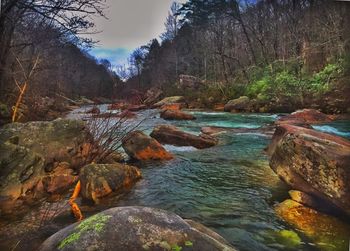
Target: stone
[
  {"x": 136, "y": 228},
  {"x": 168, "y": 134},
  {"x": 313, "y": 162},
  {"x": 173, "y": 106},
  {"x": 99, "y": 180},
  {"x": 176, "y": 115},
  {"x": 305, "y": 117},
  {"x": 38, "y": 159},
  {"x": 169, "y": 100},
  {"x": 140, "y": 146},
  {"x": 319, "y": 227},
  {"x": 189, "y": 82},
  {"x": 239, "y": 104}
]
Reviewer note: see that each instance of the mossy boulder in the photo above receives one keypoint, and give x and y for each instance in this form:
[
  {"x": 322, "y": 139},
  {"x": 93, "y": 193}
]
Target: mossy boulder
[
  {"x": 38, "y": 159},
  {"x": 328, "y": 232},
  {"x": 99, "y": 180},
  {"x": 136, "y": 228},
  {"x": 237, "y": 105},
  {"x": 170, "y": 100}
]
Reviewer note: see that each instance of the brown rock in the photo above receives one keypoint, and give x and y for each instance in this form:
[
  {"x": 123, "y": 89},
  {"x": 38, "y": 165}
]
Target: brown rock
[
  {"x": 99, "y": 180},
  {"x": 305, "y": 117},
  {"x": 176, "y": 115},
  {"x": 313, "y": 162},
  {"x": 60, "y": 180},
  {"x": 142, "y": 147},
  {"x": 168, "y": 134}
]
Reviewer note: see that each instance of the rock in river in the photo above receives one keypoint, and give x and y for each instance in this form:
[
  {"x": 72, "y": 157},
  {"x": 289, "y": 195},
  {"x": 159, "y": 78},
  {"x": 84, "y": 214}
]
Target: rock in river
[
  {"x": 38, "y": 159},
  {"x": 168, "y": 134},
  {"x": 176, "y": 115},
  {"x": 170, "y": 100},
  {"x": 142, "y": 147},
  {"x": 319, "y": 227},
  {"x": 99, "y": 180},
  {"x": 304, "y": 118},
  {"x": 238, "y": 104},
  {"x": 313, "y": 162},
  {"x": 134, "y": 229}
]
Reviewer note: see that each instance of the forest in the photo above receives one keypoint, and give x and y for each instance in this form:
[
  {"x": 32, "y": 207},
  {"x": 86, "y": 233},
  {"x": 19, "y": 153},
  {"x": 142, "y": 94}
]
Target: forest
[{"x": 286, "y": 54}]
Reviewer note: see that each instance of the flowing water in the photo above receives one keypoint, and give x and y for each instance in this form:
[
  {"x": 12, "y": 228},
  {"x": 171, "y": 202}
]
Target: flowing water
[{"x": 229, "y": 188}]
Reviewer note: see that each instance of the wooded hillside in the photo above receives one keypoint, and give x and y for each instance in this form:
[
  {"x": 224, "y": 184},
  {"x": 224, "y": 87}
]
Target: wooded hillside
[{"x": 291, "y": 53}]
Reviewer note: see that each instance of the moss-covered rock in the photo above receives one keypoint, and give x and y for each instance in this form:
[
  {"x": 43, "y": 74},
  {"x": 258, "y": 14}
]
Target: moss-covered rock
[
  {"x": 136, "y": 228},
  {"x": 329, "y": 233},
  {"x": 37, "y": 159}
]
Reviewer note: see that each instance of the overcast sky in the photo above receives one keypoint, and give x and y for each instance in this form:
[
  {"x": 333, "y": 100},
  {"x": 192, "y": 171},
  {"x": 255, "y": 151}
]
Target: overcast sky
[{"x": 130, "y": 24}]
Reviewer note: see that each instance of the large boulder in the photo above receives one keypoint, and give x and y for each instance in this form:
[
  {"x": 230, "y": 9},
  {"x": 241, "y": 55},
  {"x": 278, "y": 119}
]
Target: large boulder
[
  {"x": 38, "y": 159},
  {"x": 168, "y": 134},
  {"x": 170, "y": 100},
  {"x": 140, "y": 146},
  {"x": 135, "y": 228},
  {"x": 305, "y": 117},
  {"x": 313, "y": 162},
  {"x": 237, "y": 105},
  {"x": 326, "y": 231},
  {"x": 99, "y": 180},
  {"x": 176, "y": 115}
]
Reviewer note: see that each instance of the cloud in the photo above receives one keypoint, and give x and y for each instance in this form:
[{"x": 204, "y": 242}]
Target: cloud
[{"x": 129, "y": 24}]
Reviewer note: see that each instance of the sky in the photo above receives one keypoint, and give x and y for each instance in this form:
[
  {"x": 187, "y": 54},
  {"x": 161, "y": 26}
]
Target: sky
[{"x": 130, "y": 24}]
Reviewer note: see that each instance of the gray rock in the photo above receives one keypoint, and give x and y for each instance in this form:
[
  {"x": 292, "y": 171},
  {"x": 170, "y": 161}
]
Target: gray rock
[{"x": 135, "y": 229}]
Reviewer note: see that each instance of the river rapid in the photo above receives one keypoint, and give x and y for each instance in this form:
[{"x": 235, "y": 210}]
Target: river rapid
[{"x": 229, "y": 187}]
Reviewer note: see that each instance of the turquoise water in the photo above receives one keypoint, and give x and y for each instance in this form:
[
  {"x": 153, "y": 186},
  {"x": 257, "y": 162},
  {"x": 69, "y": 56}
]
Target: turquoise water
[
  {"x": 229, "y": 188},
  {"x": 340, "y": 128}
]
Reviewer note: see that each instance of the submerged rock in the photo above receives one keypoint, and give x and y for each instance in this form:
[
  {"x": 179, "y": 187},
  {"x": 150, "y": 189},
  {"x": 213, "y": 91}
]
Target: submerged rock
[
  {"x": 142, "y": 147},
  {"x": 176, "y": 115},
  {"x": 136, "y": 228},
  {"x": 313, "y": 162},
  {"x": 319, "y": 227},
  {"x": 38, "y": 158},
  {"x": 238, "y": 104},
  {"x": 168, "y": 134},
  {"x": 99, "y": 180}
]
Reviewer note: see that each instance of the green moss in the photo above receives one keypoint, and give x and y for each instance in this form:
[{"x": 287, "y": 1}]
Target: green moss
[
  {"x": 176, "y": 247},
  {"x": 71, "y": 238},
  {"x": 289, "y": 238},
  {"x": 188, "y": 243},
  {"x": 94, "y": 223}
]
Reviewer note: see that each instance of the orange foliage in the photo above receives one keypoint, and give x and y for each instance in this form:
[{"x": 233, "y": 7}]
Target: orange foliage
[{"x": 75, "y": 208}]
